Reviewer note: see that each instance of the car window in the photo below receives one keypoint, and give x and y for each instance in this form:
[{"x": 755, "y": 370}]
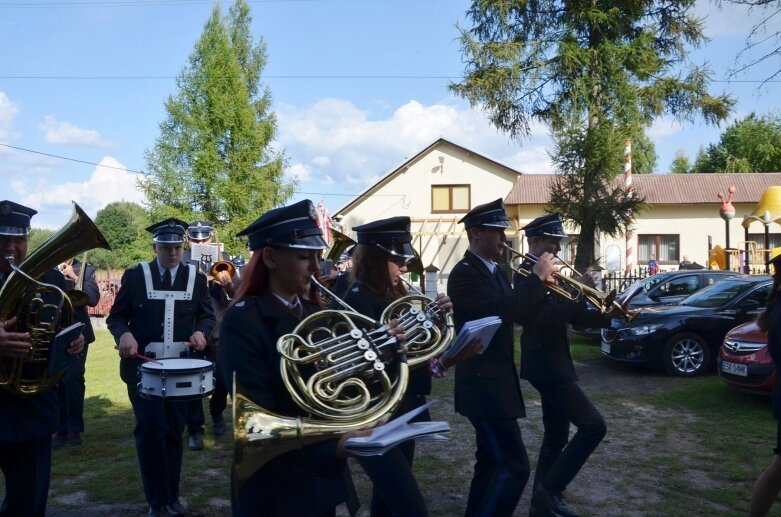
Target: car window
[
  {"x": 681, "y": 286},
  {"x": 651, "y": 282},
  {"x": 710, "y": 279},
  {"x": 718, "y": 294},
  {"x": 759, "y": 295}
]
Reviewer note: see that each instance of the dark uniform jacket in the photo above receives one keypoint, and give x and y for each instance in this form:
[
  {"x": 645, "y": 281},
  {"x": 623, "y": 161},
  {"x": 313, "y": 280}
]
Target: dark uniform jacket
[
  {"x": 545, "y": 354},
  {"x": 90, "y": 288},
  {"x": 134, "y": 312},
  {"x": 291, "y": 483},
  {"x": 361, "y": 297},
  {"x": 487, "y": 385},
  {"x": 26, "y": 418}
]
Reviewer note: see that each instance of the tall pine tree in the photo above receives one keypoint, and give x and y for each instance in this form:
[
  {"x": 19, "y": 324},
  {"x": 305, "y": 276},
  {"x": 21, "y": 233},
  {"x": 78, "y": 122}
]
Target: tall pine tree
[
  {"x": 596, "y": 72},
  {"x": 214, "y": 157}
]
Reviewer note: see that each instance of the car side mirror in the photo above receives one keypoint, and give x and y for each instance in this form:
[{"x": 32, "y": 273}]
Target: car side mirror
[{"x": 748, "y": 305}]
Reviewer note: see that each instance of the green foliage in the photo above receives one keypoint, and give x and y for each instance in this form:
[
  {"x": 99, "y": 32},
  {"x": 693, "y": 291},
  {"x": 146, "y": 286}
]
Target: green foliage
[
  {"x": 582, "y": 68},
  {"x": 37, "y": 237},
  {"x": 214, "y": 157},
  {"x": 680, "y": 164},
  {"x": 123, "y": 224},
  {"x": 752, "y": 144}
]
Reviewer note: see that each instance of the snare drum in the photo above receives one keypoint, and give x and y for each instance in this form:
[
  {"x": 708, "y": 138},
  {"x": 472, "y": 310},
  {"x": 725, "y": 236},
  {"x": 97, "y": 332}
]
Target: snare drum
[{"x": 176, "y": 379}]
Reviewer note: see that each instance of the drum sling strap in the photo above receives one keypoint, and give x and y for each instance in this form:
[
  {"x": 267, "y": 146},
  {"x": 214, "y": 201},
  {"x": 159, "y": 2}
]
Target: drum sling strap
[{"x": 168, "y": 348}]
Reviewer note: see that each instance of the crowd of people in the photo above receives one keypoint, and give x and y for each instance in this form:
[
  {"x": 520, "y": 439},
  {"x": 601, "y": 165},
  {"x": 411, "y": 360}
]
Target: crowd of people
[{"x": 175, "y": 306}]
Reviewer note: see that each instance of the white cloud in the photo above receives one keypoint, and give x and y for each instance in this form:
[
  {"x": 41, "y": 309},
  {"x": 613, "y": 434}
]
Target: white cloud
[
  {"x": 65, "y": 133},
  {"x": 8, "y": 110},
  {"x": 664, "y": 127},
  {"x": 53, "y": 201},
  {"x": 300, "y": 172},
  {"x": 729, "y": 19},
  {"x": 341, "y": 143}
]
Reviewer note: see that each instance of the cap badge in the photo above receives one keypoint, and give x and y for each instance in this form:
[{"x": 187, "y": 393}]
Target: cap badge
[
  {"x": 312, "y": 212},
  {"x": 171, "y": 223},
  {"x": 5, "y": 209}
]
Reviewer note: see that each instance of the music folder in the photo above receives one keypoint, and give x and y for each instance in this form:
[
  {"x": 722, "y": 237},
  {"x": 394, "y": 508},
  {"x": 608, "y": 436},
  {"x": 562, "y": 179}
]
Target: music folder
[
  {"x": 482, "y": 329},
  {"x": 59, "y": 358}
]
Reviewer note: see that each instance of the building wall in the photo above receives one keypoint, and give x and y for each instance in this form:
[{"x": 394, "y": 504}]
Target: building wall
[
  {"x": 409, "y": 193},
  {"x": 693, "y": 224}
]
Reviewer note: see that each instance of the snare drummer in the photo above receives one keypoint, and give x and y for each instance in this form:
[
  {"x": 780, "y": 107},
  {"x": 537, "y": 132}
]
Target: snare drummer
[{"x": 138, "y": 322}]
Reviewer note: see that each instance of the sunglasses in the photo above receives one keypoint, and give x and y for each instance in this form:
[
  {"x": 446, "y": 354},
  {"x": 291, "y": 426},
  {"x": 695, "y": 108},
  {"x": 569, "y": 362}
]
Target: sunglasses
[{"x": 399, "y": 261}]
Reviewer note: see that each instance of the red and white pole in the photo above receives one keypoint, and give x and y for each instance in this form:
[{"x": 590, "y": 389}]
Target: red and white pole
[{"x": 630, "y": 234}]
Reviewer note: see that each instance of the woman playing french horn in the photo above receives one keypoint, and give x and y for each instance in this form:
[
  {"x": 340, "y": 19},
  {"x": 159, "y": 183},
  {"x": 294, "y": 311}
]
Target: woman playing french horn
[
  {"x": 270, "y": 303},
  {"x": 380, "y": 259}
]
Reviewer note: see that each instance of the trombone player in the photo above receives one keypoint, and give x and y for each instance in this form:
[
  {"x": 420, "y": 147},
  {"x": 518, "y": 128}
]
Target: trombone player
[
  {"x": 547, "y": 364},
  {"x": 27, "y": 422}
]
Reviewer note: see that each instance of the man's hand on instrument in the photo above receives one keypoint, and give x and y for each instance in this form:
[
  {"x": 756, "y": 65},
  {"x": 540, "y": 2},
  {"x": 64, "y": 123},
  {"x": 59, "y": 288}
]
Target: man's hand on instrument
[
  {"x": 13, "y": 344},
  {"x": 444, "y": 303},
  {"x": 128, "y": 346},
  {"x": 396, "y": 330},
  {"x": 198, "y": 340},
  {"x": 77, "y": 345},
  {"x": 223, "y": 278},
  {"x": 545, "y": 267}
]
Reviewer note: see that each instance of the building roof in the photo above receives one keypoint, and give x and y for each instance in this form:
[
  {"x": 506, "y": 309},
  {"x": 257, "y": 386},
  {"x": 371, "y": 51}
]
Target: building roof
[
  {"x": 407, "y": 164},
  {"x": 660, "y": 189}
]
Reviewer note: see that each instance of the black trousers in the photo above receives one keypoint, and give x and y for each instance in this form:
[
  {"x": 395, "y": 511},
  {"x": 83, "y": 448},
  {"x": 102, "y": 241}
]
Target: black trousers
[
  {"x": 501, "y": 467},
  {"x": 561, "y": 459},
  {"x": 219, "y": 399},
  {"x": 158, "y": 432},
  {"x": 70, "y": 391},
  {"x": 386, "y": 502},
  {"x": 27, "y": 468}
]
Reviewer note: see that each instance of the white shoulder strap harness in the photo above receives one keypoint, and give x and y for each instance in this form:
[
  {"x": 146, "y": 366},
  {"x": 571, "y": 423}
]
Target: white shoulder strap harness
[{"x": 168, "y": 348}]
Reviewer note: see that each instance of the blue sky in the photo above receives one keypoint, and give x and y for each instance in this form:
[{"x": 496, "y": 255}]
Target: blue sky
[{"x": 86, "y": 79}]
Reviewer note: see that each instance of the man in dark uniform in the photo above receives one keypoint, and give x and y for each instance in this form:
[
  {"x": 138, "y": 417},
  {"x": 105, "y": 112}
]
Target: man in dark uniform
[
  {"x": 487, "y": 387},
  {"x": 546, "y": 362},
  {"x": 138, "y": 322},
  {"x": 27, "y": 422},
  {"x": 70, "y": 389},
  {"x": 220, "y": 291}
]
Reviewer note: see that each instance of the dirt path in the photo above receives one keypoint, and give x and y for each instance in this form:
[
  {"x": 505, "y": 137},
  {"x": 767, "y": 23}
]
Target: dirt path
[{"x": 645, "y": 448}]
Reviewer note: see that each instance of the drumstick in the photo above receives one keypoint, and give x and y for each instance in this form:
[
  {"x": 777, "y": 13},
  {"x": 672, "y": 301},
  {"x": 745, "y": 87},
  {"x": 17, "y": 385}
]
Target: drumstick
[{"x": 145, "y": 358}]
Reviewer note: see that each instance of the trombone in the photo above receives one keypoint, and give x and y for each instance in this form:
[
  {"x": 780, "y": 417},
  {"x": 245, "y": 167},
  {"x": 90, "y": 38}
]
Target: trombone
[{"x": 605, "y": 302}]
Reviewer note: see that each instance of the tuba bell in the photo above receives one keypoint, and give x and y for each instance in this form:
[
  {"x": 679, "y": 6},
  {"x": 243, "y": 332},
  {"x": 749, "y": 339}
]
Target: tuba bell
[
  {"x": 22, "y": 295},
  {"x": 339, "y": 369}
]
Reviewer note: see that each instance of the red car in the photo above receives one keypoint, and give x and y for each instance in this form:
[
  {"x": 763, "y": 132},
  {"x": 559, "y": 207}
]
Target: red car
[{"x": 744, "y": 361}]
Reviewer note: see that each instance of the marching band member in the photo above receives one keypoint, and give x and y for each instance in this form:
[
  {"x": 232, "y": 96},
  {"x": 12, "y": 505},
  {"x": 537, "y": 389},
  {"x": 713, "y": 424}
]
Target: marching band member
[
  {"x": 487, "y": 388},
  {"x": 138, "y": 319},
  {"x": 27, "y": 422},
  {"x": 547, "y": 364},
  {"x": 71, "y": 388},
  {"x": 221, "y": 288},
  {"x": 379, "y": 259},
  {"x": 286, "y": 243}
]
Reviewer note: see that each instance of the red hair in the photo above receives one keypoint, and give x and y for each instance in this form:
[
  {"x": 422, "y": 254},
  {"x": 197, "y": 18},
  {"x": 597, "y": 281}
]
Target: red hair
[{"x": 255, "y": 280}]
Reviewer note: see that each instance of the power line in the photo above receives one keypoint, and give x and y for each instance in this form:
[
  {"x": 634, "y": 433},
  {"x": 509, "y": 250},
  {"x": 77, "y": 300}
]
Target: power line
[
  {"x": 142, "y": 172},
  {"x": 299, "y": 77},
  {"x": 70, "y": 159}
]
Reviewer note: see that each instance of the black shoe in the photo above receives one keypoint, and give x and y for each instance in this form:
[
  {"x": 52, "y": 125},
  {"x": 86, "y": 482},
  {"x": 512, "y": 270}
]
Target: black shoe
[
  {"x": 195, "y": 443},
  {"x": 546, "y": 504},
  {"x": 59, "y": 439},
  {"x": 74, "y": 438},
  {"x": 154, "y": 511},
  {"x": 218, "y": 425},
  {"x": 174, "y": 509}
]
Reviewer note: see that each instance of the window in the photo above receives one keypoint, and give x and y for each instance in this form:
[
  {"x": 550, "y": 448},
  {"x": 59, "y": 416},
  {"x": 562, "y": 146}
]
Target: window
[
  {"x": 774, "y": 239},
  {"x": 568, "y": 248},
  {"x": 681, "y": 286},
  {"x": 450, "y": 198},
  {"x": 665, "y": 247}
]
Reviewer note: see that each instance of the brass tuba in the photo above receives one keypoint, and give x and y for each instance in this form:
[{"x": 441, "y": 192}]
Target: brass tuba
[
  {"x": 340, "y": 369},
  {"x": 22, "y": 296}
]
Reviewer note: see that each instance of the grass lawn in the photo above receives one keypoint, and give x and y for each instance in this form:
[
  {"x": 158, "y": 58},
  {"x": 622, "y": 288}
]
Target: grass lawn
[{"x": 680, "y": 447}]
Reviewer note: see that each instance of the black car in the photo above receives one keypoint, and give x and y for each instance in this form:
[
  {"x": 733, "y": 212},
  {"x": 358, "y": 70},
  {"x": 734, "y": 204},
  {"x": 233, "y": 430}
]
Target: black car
[
  {"x": 683, "y": 339},
  {"x": 663, "y": 289}
]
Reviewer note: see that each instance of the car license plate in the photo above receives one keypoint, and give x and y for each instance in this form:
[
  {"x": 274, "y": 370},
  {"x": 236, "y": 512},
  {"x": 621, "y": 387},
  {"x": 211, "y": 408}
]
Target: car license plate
[
  {"x": 606, "y": 347},
  {"x": 734, "y": 369}
]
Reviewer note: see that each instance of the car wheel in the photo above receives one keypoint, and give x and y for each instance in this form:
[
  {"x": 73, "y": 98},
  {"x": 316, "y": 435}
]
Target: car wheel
[{"x": 686, "y": 355}]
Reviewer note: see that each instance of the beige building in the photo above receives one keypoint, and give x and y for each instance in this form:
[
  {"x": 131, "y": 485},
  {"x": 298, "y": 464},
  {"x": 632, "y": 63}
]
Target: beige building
[
  {"x": 442, "y": 182},
  {"x": 435, "y": 188},
  {"x": 682, "y": 214}
]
